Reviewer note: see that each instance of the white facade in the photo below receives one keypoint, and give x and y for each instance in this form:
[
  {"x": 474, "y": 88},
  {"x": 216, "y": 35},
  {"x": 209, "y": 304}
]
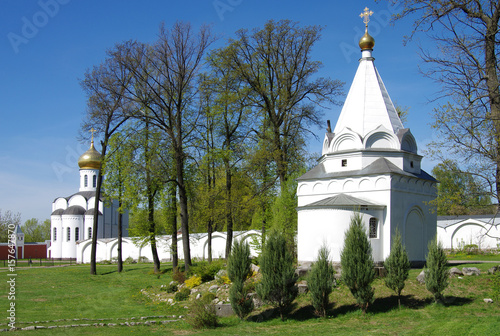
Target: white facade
[
  {"x": 107, "y": 249},
  {"x": 369, "y": 164},
  {"x": 72, "y": 217},
  {"x": 455, "y": 232}
]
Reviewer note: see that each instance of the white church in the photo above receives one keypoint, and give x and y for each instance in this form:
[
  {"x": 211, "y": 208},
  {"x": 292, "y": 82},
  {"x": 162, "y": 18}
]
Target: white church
[
  {"x": 370, "y": 164},
  {"x": 72, "y": 217}
]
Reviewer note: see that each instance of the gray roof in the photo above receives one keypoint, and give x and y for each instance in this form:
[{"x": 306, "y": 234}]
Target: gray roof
[
  {"x": 86, "y": 194},
  {"x": 91, "y": 212},
  {"x": 74, "y": 210},
  {"x": 380, "y": 166},
  {"x": 57, "y": 212},
  {"x": 343, "y": 200}
]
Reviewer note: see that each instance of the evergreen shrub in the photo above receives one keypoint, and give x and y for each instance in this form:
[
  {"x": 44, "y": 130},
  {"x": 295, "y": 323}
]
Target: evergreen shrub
[
  {"x": 321, "y": 281},
  {"x": 357, "y": 263},
  {"x": 238, "y": 269},
  {"x": 397, "y": 265},
  {"x": 436, "y": 271},
  {"x": 277, "y": 286}
]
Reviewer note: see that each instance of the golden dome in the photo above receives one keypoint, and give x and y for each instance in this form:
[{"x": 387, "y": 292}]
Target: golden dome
[
  {"x": 366, "y": 42},
  {"x": 91, "y": 159}
]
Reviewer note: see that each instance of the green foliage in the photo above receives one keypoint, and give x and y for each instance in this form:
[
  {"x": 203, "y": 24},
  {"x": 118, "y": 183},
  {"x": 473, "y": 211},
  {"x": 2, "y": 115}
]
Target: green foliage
[
  {"x": 129, "y": 260},
  {"x": 202, "y": 313},
  {"x": 238, "y": 269},
  {"x": 178, "y": 275},
  {"x": 284, "y": 213},
  {"x": 35, "y": 231},
  {"x": 193, "y": 281},
  {"x": 278, "y": 274},
  {"x": 397, "y": 265},
  {"x": 183, "y": 294},
  {"x": 436, "y": 272},
  {"x": 207, "y": 271},
  {"x": 495, "y": 285},
  {"x": 458, "y": 192},
  {"x": 6, "y": 218},
  {"x": 321, "y": 281},
  {"x": 172, "y": 287},
  {"x": 357, "y": 262}
]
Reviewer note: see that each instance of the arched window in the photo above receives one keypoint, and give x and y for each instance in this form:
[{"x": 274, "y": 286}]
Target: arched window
[
  {"x": 77, "y": 234},
  {"x": 94, "y": 181},
  {"x": 68, "y": 233},
  {"x": 373, "y": 228},
  {"x": 85, "y": 181},
  {"x": 90, "y": 233},
  {"x": 55, "y": 234}
]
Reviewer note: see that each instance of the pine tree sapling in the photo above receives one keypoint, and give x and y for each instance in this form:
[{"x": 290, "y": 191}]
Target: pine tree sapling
[
  {"x": 278, "y": 274},
  {"x": 397, "y": 265},
  {"x": 321, "y": 281},
  {"x": 357, "y": 262},
  {"x": 436, "y": 272},
  {"x": 238, "y": 269}
]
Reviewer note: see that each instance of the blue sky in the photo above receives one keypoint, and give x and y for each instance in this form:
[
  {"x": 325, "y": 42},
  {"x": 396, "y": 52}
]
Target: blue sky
[{"x": 47, "y": 45}]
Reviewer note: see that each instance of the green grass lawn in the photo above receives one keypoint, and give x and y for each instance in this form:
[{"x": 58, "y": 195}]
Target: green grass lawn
[
  {"x": 472, "y": 257},
  {"x": 48, "y": 294}
]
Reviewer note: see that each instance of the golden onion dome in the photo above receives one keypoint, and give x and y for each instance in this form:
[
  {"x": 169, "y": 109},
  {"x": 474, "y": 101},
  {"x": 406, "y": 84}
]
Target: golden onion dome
[
  {"x": 91, "y": 159},
  {"x": 366, "y": 42}
]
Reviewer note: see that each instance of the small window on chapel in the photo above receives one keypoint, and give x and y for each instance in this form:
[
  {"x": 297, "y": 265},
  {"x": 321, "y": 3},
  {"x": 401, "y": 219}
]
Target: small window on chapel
[
  {"x": 86, "y": 181},
  {"x": 344, "y": 162},
  {"x": 77, "y": 234},
  {"x": 90, "y": 233},
  {"x": 68, "y": 233},
  {"x": 94, "y": 181},
  {"x": 55, "y": 234},
  {"x": 373, "y": 227},
  {"x": 411, "y": 164}
]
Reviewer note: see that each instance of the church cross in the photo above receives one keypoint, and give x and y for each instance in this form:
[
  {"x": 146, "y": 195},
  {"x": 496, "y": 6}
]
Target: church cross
[
  {"x": 366, "y": 16},
  {"x": 92, "y": 130}
]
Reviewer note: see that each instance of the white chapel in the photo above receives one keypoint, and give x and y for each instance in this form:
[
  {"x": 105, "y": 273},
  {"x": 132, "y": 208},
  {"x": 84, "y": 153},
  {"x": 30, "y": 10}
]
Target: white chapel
[
  {"x": 72, "y": 217},
  {"x": 369, "y": 164}
]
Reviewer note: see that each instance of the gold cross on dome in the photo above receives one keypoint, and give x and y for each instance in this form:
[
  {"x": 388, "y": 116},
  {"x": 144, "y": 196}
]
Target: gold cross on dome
[
  {"x": 92, "y": 130},
  {"x": 366, "y": 16}
]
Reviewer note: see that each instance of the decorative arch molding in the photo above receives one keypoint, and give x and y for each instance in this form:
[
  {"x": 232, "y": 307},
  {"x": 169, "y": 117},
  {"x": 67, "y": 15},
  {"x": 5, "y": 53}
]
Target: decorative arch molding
[
  {"x": 346, "y": 140},
  {"x": 407, "y": 141},
  {"x": 414, "y": 233},
  {"x": 333, "y": 187},
  {"x": 381, "y": 138},
  {"x": 303, "y": 189},
  {"x": 318, "y": 188},
  {"x": 457, "y": 229},
  {"x": 77, "y": 200},
  {"x": 215, "y": 235}
]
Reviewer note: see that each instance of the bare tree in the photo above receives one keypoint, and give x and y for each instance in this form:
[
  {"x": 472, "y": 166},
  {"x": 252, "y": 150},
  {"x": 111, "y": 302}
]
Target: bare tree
[
  {"x": 164, "y": 82},
  {"x": 106, "y": 111},
  {"x": 465, "y": 64}
]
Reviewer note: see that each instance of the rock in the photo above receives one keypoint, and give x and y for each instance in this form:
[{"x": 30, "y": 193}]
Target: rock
[
  {"x": 198, "y": 296},
  {"x": 302, "y": 270},
  {"x": 223, "y": 309},
  {"x": 471, "y": 271},
  {"x": 213, "y": 288},
  {"x": 170, "y": 301},
  {"x": 255, "y": 268},
  {"x": 455, "y": 271},
  {"x": 421, "y": 277},
  {"x": 488, "y": 300},
  {"x": 302, "y": 286},
  {"x": 494, "y": 269}
]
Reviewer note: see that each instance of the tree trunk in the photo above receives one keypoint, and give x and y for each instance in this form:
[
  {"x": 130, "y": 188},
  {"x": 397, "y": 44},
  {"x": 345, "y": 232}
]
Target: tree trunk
[
  {"x": 209, "y": 245},
  {"x": 173, "y": 224},
  {"x": 229, "y": 211},
  {"x": 152, "y": 234},
  {"x": 183, "y": 200},
  {"x": 120, "y": 222}
]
